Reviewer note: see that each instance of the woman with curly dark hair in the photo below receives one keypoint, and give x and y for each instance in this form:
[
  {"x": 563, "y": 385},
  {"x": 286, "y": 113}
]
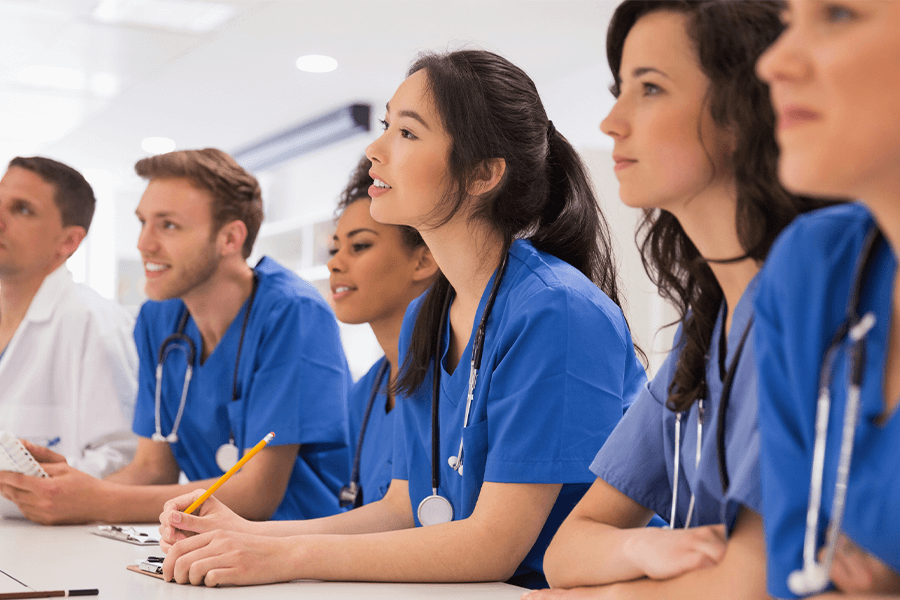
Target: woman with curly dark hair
[
  {"x": 695, "y": 149},
  {"x": 376, "y": 270}
]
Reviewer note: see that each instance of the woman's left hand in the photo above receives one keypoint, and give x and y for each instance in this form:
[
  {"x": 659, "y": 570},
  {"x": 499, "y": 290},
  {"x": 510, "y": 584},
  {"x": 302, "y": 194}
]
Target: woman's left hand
[
  {"x": 856, "y": 571},
  {"x": 228, "y": 558}
]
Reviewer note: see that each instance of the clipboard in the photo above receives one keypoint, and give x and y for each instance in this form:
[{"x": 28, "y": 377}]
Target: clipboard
[
  {"x": 151, "y": 566},
  {"x": 139, "y": 536}
]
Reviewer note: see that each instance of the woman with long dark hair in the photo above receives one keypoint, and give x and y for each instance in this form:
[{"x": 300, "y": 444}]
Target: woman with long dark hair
[
  {"x": 695, "y": 149},
  {"x": 828, "y": 308},
  {"x": 516, "y": 365}
]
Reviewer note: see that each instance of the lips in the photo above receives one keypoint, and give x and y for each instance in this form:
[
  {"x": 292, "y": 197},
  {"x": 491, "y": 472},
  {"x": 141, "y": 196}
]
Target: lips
[
  {"x": 622, "y": 162},
  {"x": 154, "y": 269},
  {"x": 341, "y": 291},
  {"x": 379, "y": 187},
  {"x": 793, "y": 115}
]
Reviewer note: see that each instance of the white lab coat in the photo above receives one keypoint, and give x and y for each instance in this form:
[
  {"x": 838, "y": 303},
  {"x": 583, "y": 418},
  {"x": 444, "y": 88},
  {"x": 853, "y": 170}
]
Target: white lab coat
[{"x": 70, "y": 371}]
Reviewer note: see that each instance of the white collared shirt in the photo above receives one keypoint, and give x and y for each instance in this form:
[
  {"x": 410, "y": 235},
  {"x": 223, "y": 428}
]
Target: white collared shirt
[{"x": 70, "y": 372}]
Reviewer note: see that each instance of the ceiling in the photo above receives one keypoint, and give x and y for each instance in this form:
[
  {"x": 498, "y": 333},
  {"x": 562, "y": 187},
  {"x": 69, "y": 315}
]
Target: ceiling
[{"x": 84, "y": 81}]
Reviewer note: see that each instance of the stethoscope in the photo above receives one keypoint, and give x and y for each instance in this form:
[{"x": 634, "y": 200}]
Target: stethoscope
[
  {"x": 352, "y": 494},
  {"x": 815, "y": 576},
  {"x": 727, "y": 385},
  {"x": 436, "y": 509},
  {"x": 228, "y": 454}
]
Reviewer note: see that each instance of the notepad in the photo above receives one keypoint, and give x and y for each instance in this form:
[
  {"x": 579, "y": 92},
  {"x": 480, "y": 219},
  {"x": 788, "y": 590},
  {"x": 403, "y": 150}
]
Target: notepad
[
  {"x": 14, "y": 457},
  {"x": 141, "y": 536}
]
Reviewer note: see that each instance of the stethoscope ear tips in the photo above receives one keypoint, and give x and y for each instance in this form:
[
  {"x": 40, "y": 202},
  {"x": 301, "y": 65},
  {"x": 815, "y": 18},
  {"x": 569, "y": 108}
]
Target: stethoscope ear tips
[
  {"x": 452, "y": 461},
  {"x": 809, "y": 580}
]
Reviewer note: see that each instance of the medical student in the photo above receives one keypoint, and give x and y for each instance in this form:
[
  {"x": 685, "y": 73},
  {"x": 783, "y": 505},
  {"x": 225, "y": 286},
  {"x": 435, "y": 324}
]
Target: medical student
[
  {"x": 68, "y": 365},
  {"x": 695, "y": 149},
  {"x": 264, "y": 355},
  {"x": 469, "y": 158},
  {"x": 376, "y": 271},
  {"x": 828, "y": 333}
]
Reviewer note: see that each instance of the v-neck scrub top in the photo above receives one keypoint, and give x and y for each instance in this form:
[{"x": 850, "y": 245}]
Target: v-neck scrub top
[
  {"x": 292, "y": 379},
  {"x": 375, "y": 461},
  {"x": 801, "y": 303},
  {"x": 557, "y": 371},
  {"x": 638, "y": 458}
]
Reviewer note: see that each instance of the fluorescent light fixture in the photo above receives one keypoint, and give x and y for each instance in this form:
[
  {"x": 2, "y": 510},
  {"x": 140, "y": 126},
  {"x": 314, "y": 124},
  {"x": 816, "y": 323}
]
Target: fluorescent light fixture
[
  {"x": 304, "y": 138},
  {"x": 60, "y": 78},
  {"x": 177, "y": 15},
  {"x": 157, "y": 145},
  {"x": 316, "y": 63}
]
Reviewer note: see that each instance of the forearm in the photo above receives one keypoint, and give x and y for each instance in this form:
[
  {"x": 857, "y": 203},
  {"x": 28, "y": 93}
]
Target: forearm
[
  {"x": 452, "y": 552},
  {"x": 585, "y": 552},
  {"x": 377, "y": 517}
]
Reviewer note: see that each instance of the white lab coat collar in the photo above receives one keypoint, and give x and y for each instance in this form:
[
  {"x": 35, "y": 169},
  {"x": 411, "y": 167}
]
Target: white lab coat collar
[{"x": 48, "y": 295}]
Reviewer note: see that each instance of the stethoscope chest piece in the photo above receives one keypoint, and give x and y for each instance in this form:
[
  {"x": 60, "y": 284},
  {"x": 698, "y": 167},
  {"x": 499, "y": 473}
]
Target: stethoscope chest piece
[
  {"x": 434, "y": 510},
  {"x": 227, "y": 456}
]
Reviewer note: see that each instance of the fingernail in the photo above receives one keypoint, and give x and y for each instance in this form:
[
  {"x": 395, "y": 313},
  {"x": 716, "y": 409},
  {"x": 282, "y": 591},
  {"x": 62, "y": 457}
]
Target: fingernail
[{"x": 176, "y": 517}]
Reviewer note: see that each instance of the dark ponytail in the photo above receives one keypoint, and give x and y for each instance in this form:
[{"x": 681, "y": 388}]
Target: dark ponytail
[{"x": 491, "y": 109}]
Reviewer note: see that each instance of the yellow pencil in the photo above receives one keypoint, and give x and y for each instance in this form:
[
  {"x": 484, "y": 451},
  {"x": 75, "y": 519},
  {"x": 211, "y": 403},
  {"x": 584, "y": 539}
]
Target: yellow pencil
[{"x": 230, "y": 472}]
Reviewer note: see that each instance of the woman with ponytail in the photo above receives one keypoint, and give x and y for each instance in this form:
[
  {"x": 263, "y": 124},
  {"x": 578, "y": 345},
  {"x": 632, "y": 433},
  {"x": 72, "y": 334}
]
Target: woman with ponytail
[
  {"x": 515, "y": 366},
  {"x": 695, "y": 149}
]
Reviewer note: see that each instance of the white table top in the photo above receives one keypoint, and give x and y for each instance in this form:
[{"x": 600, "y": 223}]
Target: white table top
[{"x": 59, "y": 558}]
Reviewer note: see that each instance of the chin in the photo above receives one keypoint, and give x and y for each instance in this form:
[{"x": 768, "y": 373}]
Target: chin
[{"x": 802, "y": 178}]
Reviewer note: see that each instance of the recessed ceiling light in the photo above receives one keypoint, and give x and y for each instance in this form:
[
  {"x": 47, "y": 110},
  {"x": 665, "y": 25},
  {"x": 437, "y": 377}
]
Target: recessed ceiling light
[
  {"x": 316, "y": 63},
  {"x": 157, "y": 145}
]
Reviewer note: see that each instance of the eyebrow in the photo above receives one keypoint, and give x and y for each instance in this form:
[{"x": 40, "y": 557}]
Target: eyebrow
[
  {"x": 355, "y": 232},
  {"x": 640, "y": 71},
  {"x": 411, "y": 114},
  {"x": 158, "y": 215}
]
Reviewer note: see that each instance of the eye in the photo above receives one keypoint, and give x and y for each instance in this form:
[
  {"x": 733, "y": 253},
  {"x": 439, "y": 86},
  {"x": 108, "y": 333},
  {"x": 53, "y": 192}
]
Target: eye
[
  {"x": 615, "y": 89},
  {"x": 384, "y": 124},
  {"x": 651, "y": 89},
  {"x": 362, "y": 246},
  {"x": 838, "y": 13},
  {"x": 407, "y": 134},
  {"x": 332, "y": 251},
  {"x": 169, "y": 225},
  {"x": 22, "y": 209}
]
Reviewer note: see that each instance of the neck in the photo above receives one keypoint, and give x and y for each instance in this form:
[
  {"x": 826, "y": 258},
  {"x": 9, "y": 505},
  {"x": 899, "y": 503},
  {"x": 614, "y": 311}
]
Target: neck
[
  {"x": 215, "y": 303},
  {"x": 467, "y": 254},
  {"x": 387, "y": 332},
  {"x": 16, "y": 293},
  {"x": 703, "y": 224}
]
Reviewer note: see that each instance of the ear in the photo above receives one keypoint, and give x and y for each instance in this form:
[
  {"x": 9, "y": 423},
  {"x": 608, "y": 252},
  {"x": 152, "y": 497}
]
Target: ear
[
  {"x": 71, "y": 239},
  {"x": 231, "y": 237},
  {"x": 488, "y": 176},
  {"x": 426, "y": 268}
]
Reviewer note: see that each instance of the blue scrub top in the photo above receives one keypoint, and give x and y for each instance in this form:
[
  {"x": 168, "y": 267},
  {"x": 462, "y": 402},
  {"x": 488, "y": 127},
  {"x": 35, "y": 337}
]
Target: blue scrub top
[
  {"x": 375, "y": 461},
  {"x": 801, "y": 303},
  {"x": 638, "y": 458},
  {"x": 557, "y": 370},
  {"x": 293, "y": 380}
]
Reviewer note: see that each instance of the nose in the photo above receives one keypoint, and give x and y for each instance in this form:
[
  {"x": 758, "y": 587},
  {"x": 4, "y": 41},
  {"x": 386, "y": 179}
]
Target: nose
[
  {"x": 783, "y": 61},
  {"x": 146, "y": 243},
  {"x": 615, "y": 125},
  {"x": 375, "y": 150},
  {"x": 335, "y": 264}
]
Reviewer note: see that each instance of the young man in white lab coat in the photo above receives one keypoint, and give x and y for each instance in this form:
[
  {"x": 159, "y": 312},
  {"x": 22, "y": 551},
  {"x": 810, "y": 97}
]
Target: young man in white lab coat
[{"x": 68, "y": 364}]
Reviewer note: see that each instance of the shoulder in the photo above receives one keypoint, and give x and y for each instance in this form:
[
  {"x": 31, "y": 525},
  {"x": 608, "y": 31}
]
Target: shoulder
[
  {"x": 161, "y": 315},
  {"x": 79, "y": 302},
  {"x": 281, "y": 290},
  {"x": 822, "y": 237},
  {"x": 540, "y": 283}
]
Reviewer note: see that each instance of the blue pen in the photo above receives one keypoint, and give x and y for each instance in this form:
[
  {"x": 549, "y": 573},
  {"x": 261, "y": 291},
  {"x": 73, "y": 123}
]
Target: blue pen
[{"x": 52, "y": 442}]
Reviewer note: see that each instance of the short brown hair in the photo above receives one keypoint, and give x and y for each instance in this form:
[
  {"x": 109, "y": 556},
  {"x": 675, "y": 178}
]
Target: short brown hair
[
  {"x": 73, "y": 194},
  {"x": 236, "y": 193}
]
